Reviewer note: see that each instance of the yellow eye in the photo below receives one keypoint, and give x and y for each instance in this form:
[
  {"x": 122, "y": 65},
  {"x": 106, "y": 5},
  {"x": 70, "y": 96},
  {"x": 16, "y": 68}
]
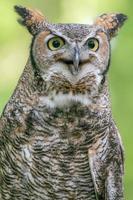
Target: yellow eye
[
  {"x": 55, "y": 43},
  {"x": 93, "y": 44}
]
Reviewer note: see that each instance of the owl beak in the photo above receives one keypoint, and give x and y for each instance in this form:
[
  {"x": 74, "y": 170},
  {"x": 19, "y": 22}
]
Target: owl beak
[{"x": 76, "y": 60}]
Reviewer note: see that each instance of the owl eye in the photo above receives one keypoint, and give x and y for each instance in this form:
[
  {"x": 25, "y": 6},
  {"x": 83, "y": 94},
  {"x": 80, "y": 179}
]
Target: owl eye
[
  {"x": 55, "y": 43},
  {"x": 93, "y": 44}
]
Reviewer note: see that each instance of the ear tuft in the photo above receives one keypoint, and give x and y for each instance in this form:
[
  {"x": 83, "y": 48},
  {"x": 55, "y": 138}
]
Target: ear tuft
[
  {"x": 22, "y": 11},
  {"x": 32, "y": 19},
  {"x": 121, "y": 19},
  {"x": 111, "y": 22}
]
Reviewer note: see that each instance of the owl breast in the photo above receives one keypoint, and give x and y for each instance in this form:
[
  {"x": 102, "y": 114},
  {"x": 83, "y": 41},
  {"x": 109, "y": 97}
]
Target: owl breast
[{"x": 56, "y": 155}]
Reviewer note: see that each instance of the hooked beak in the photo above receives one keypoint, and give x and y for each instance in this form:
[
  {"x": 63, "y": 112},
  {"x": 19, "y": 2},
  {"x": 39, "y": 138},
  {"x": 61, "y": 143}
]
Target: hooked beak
[{"x": 76, "y": 60}]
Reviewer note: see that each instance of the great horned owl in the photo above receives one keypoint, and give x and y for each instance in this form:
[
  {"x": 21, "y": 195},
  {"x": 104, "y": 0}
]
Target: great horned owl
[{"x": 57, "y": 136}]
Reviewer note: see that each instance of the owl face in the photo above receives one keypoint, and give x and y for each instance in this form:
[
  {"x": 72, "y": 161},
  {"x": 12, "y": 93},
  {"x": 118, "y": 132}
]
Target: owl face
[{"x": 72, "y": 59}]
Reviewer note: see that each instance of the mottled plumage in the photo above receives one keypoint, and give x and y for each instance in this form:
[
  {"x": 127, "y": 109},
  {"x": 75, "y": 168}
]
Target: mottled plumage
[{"x": 57, "y": 136}]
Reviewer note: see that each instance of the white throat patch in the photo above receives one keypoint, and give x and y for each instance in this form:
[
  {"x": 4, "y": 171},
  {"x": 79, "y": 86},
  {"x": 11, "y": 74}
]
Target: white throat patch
[{"x": 60, "y": 100}]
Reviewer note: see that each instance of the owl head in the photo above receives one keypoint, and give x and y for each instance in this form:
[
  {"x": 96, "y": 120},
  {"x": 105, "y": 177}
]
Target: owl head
[{"x": 71, "y": 59}]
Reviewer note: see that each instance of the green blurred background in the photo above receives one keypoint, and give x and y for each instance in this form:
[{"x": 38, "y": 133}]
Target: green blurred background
[{"x": 14, "y": 50}]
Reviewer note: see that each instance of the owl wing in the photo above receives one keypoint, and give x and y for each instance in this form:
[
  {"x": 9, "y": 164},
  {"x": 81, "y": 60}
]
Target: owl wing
[
  {"x": 1, "y": 125},
  {"x": 95, "y": 164},
  {"x": 106, "y": 164}
]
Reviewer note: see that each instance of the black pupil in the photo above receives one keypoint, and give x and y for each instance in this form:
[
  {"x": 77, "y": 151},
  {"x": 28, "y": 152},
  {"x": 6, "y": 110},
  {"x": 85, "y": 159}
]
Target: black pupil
[
  {"x": 56, "y": 44},
  {"x": 91, "y": 44}
]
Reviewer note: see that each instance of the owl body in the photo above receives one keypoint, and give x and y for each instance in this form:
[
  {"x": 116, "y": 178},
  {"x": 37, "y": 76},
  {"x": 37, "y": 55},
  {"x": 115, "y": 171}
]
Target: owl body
[
  {"x": 57, "y": 136},
  {"x": 51, "y": 158}
]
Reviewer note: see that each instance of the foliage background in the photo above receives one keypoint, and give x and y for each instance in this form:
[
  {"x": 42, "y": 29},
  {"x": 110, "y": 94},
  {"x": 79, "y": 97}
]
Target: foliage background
[{"x": 14, "y": 50}]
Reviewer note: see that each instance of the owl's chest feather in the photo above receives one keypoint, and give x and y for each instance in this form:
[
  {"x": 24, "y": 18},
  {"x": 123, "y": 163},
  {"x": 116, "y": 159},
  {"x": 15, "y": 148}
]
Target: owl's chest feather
[
  {"x": 74, "y": 125},
  {"x": 58, "y": 152},
  {"x": 51, "y": 156}
]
